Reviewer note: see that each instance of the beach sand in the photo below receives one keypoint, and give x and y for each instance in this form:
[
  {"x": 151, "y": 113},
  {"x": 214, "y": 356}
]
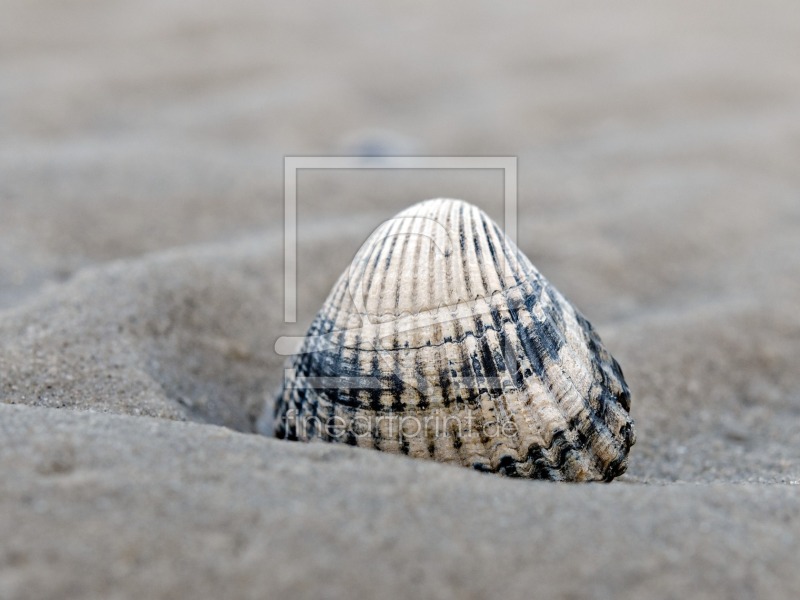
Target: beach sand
[{"x": 142, "y": 291}]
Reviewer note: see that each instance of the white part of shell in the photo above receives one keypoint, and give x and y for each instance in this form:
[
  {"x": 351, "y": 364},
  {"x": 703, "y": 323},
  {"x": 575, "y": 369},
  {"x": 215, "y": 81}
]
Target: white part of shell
[{"x": 443, "y": 341}]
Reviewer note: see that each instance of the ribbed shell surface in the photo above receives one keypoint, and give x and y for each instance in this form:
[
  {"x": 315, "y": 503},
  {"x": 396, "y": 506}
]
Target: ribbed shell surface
[{"x": 443, "y": 341}]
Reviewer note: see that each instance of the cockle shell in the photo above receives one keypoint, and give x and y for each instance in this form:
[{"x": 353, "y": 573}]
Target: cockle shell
[{"x": 443, "y": 341}]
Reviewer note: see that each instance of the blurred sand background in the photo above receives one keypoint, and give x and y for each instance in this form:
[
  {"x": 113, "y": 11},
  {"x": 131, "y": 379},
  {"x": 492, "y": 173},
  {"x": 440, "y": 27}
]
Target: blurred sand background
[{"x": 141, "y": 290}]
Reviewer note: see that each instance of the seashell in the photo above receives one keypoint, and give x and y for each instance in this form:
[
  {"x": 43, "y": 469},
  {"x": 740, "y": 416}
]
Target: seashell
[{"x": 443, "y": 341}]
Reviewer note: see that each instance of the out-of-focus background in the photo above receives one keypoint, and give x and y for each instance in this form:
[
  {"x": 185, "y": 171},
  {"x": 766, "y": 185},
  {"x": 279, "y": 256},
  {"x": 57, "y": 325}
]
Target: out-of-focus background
[{"x": 141, "y": 257}]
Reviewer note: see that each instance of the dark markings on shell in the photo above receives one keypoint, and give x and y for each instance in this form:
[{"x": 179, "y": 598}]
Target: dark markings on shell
[{"x": 443, "y": 341}]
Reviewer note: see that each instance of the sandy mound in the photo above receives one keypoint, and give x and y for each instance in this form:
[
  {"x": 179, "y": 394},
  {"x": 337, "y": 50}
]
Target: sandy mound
[{"x": 100, "y": 506}]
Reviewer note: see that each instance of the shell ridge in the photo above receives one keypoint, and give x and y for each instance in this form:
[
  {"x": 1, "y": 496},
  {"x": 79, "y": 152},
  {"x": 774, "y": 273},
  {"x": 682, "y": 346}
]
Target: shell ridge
[
  {"x": 389, "y": 249},
  {"x": 472, "y": 402},
  {"x": 477, "y": 252},
  {"x": 530, "y": 346},
  {"x": 509, "y": 445},
  {"x": 600, "y": 425},
  {"x": 537, "y": 343},
  {"x": 470, "y": 449},
  {"x": 520, "y": 418},
  {"x": 464, "y": 253},
  {"x": 399, "y": 383}
]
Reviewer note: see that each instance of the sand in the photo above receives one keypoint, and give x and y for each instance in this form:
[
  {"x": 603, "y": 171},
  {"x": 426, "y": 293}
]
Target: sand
[{"x": 141, "y": 291}]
